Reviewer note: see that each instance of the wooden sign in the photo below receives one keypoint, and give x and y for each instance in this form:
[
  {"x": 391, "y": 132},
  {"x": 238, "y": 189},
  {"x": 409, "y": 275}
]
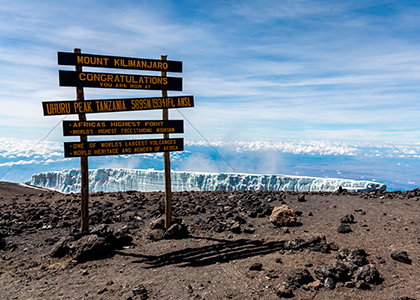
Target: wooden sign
[
  {"x": 104, "y": 61},
  {"x": 101, "y": 148},
  {"x": 119, "y": 81},
  {"x": 52, "y": 108},
  {"x": 72, "y": 128}
]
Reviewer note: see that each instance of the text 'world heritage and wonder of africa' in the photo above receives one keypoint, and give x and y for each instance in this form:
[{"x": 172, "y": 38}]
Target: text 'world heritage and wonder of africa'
[{"x": 78, "y": 149}]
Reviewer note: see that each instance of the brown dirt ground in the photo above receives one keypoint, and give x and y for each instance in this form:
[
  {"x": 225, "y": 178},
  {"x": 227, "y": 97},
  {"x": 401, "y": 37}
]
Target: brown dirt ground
[{"x": 209, "y": 265}]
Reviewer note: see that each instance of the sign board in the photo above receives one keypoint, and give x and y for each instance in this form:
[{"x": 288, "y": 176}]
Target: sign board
[
  {"x": 118, "y": 147},
  {"x": 72, "y": 128},
  {"x": 52, "y": 108},
  {"x": 105, "y": 61},
  {"x": 119, "y": 81}
]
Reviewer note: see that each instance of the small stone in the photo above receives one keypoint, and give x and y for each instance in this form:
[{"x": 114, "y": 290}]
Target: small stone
[
  {"x": 301, "y": 276},
  {"x": 405, "y": 298},
  {"x": 361, "y": 285},
  {"x": 306, "y": 264},
  {"x": 368, "y": 273},
  {"x": 155, "y": 234},
  {"x": 344, "y": 229},
  {"x": 249, "y": 230},
  {"x": 102, "y": 290},
  {"x": 256, "y": 267},
  {"x": 401, "y": 256},
  {"x": 140, "y": 290},
  {"x": 301, "y": 198},
  {"x": 329, "y": 283},
  {"x": 347, "y": 219},
  {"x": 315, "y": 284},
  {"x": 284, "y": 292},
  {"x": 236, "y": 228},
  {"x": 271, "y": 275}
]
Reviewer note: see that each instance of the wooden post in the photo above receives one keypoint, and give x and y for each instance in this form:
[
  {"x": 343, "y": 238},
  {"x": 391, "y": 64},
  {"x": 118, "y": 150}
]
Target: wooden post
[
  {"x": 84, "y": 167},
  {"x": 167, "y": 164}
]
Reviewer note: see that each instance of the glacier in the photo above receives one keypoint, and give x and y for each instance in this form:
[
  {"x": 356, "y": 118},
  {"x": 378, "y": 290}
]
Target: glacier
[{"x": 114, "y": 180}]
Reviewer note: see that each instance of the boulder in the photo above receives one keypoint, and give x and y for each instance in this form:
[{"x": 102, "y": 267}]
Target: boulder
[
  {"x": 283, "y": 216},
  {"x": 89, "y": 247}
]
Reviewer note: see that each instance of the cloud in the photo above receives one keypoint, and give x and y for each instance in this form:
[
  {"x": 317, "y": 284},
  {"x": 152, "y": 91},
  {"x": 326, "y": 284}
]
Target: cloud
[{"x": 279, "y": 69}]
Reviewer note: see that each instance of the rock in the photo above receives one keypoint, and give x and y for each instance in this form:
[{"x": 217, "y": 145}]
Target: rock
[
  {"x": 155, "y": 234},
  {"x": 284, "y": 292},
  {"x": 236, "y": 228},
  {"x": 240, "y": 220},
  {"x": 102, "y": 290},
  {"x": 176, "y": 231},
  {"x": 368, "y": 273},
  {"x": 401, "y": 256},
  {"x": 347, "y": 219},
  {"x": 61, "y": 248},
  {"x": 158, "y": 223},
  {"x": 301, "y": 198},
  {"x": 2, "y": 243},
  {"x": 141, "y": 291},
  {"x": 329, "y": 283},
  {"x": 283, "y": 216},
  {"x": 315, "y": 284},
  {"x": 344, "y": 228},
  {"x": 362, "y": 285},
  {"x": 271, "y": 275},
  {"x": 89, "y": 247},
  {"x": 338, "y": 271},
  {"x": 256, "y": 267},
  {"x": 306, "y": 264},
  {"x": 249, "y": 230},
  {"x": 301, "y": 276},
  {"x": 405, "y": 298}
]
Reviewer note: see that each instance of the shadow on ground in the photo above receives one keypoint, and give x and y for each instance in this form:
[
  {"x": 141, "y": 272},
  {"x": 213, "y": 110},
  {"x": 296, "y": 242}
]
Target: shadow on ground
[{"x": 223, "y": 251}]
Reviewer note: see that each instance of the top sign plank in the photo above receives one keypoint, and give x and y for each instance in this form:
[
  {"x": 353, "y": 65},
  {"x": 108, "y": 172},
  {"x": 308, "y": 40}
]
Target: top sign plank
[{"x": 103, "y": 61}]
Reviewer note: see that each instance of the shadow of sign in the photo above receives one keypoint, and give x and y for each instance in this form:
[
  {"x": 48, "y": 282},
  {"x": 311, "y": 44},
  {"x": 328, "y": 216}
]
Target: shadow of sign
[{"x": 222, "y": 251}]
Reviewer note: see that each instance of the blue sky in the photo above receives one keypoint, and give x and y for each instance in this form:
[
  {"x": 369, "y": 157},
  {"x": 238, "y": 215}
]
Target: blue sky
[
  {"x": 313, "y": 74},
  {"x": 335, "y": 70}
]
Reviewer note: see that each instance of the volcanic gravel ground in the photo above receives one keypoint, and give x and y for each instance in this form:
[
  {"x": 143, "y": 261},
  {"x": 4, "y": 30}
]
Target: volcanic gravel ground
[{"x": 222, "y": 246}]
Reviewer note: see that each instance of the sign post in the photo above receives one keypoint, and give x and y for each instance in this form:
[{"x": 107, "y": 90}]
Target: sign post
[
  {"x": 167, "y": 162},
  {"x": 83, "y": 128},
  {"x": 84, "y": 166}
]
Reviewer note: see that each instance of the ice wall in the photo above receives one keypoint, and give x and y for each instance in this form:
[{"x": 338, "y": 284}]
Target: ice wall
[{"x": 113, "y": 180}]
